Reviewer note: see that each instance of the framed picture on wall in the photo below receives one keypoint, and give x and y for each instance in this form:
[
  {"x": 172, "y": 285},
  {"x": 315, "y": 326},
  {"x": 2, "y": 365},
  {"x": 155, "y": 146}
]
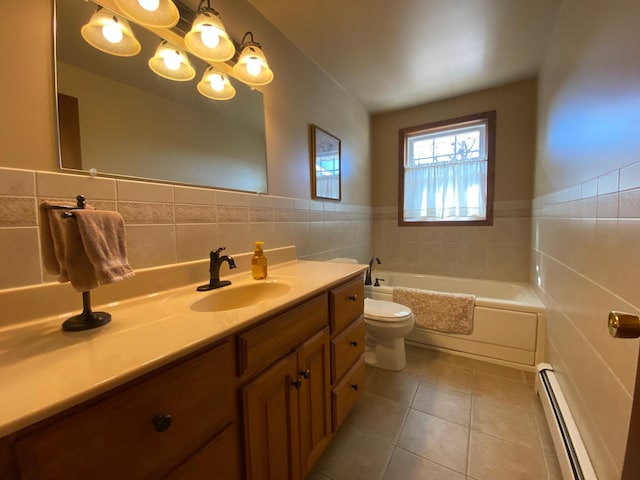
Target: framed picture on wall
[{"x": 325, "y": 165}]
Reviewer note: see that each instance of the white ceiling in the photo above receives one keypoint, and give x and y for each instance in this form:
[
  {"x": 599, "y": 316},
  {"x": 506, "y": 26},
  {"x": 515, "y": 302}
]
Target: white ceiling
[{"x": 391, "y": 55}]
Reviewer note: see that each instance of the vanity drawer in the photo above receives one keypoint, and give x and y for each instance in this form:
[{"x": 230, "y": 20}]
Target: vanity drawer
[
  {"x": 346, "y": 348},
  {"x": 346, "y": 303},
  {"x": 345, "y": 394},
  {"x": 260, "y": 346},
  {"x": 117, "y": 437}
]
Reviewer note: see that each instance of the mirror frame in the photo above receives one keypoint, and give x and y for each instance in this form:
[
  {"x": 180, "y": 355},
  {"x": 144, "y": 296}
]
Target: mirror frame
[{"x": 322, "y": 142}]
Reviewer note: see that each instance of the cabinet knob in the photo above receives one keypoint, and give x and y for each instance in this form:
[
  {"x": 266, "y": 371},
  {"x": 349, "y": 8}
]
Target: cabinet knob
[
  {"x": 354, "y": 387},
  {"x": 353, "y": 297},
  {"x": 297, "y": 383},
  {"x": 306, "y": 374},
  {"x": 353, "y": 343},
  {"x": 162, "y": 422}
]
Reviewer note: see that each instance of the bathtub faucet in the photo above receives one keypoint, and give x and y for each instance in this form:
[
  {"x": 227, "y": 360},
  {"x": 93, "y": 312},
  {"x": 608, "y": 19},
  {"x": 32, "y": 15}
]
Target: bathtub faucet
[{"x": 372, "y": 262}]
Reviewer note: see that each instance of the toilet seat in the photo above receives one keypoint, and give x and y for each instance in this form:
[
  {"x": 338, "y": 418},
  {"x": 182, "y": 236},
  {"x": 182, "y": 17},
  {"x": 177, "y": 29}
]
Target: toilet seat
[{"x": 385, "y": 311}]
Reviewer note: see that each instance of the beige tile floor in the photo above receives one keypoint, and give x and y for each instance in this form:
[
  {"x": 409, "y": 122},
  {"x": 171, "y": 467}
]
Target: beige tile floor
[{"x": 444, "y": 417}]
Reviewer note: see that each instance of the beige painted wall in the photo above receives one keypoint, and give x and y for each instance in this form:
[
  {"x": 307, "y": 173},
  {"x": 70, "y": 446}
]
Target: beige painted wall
[
  {"x": 497, "y": 252},
  {"x": 586, "y": 221},
  {"x": 515, "y": 138},
  {"x": 300, "y": 94}
]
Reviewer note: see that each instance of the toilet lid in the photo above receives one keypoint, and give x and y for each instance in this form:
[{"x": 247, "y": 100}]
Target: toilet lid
[{"x": 385, "y": 311}]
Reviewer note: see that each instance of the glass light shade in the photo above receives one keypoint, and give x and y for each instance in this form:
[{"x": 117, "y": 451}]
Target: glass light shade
[
  {"x": 216, "y": 85},
  {"x": 252, "y": 67},
  {"x": 111, "y": 34},
  {"x": 172, "y": 63},
  {"x": 208, "y": 39},
  {"x": 152, "y": 13}
]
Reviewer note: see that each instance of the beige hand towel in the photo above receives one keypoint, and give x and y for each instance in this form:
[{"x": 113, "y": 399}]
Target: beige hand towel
[
  {"x": 103, "y": 239},
  {"x": 52, "y": 238},
  {"x": 77, "y": 265}
]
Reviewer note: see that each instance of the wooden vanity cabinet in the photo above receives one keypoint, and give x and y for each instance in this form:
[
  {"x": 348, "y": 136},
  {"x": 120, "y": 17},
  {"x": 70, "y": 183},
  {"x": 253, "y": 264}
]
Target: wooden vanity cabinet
[
  {"x": 261, "y": 404},
  {"x": 143, "y": 430},
  {"x": 287, "y": 416},
  {"x": 219, "y": 459},
  {"x": 7, "y": 467},
  {"x": 347, "y": 348}
]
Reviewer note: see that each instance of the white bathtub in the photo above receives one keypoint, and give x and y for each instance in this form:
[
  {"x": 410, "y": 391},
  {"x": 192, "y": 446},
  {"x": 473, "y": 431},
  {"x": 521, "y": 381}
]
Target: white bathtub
[{"x": 508, "y": 323}]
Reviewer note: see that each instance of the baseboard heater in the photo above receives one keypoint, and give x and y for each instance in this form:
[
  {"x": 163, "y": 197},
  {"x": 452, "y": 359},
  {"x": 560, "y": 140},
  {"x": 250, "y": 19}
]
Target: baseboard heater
[{"x": 572, "y": 455}]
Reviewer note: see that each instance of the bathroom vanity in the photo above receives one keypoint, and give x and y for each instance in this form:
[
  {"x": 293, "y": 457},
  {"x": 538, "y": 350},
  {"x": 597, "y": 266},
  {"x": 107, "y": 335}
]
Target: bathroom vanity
[{"x": 258, "y": 396}]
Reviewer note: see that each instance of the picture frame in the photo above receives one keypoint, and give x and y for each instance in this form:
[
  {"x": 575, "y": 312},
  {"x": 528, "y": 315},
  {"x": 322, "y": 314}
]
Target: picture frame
[{"x": 325, "y": 164}]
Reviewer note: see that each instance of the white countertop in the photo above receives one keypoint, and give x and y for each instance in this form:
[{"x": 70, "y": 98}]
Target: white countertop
[{"x": 44, "y": 370}]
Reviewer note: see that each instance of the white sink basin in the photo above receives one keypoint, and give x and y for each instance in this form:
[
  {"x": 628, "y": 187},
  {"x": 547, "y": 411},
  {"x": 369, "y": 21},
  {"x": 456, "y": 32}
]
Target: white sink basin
[{"x": 240, "y": 296}]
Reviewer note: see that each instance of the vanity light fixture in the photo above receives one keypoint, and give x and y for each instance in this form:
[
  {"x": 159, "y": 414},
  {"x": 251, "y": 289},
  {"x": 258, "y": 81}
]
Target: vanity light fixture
[
  {"x": 208, "y": 38},
  {"x": 252, "y": 67},
  {"x": 170, "y": 62},
  {"x": 152, "y": 13},
  {"x": 111, "y": 34},
  {"x": 216, "y": 85}
]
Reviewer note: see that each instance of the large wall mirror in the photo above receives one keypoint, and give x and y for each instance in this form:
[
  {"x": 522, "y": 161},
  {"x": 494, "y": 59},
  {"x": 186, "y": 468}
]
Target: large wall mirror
[{"x": 118, "y": 117}]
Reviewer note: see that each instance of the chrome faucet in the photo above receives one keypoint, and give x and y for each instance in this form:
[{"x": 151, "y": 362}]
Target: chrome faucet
[
  {"x": 216, "y": 262},
  {"x": 367, "y": 277}
]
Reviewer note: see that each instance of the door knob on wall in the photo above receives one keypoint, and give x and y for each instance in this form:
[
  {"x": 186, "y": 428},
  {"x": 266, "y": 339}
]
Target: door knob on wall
[{"x": 623, "y": 325}]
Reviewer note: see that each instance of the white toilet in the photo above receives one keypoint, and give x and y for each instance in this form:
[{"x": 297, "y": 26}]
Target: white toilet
[{"x": 386, "y": 325}]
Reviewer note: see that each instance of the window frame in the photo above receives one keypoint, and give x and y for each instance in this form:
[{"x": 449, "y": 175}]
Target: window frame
[{"x": 489, "y": 119}]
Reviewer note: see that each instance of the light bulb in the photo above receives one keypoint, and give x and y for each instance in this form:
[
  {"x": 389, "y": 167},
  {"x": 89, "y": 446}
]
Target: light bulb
[
  {"x": 217, "y": 82},
  {"x": 112, "y": 32},
  {"x": 253, "y": 66},
  {"x": 149, "y": 5},
  {"x": 209, "y": 36},
  {"x": 172, "y": 60}
]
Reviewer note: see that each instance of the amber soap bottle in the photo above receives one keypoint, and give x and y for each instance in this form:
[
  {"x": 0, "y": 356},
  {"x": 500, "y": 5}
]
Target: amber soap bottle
[{"x": 259, "y": 263}]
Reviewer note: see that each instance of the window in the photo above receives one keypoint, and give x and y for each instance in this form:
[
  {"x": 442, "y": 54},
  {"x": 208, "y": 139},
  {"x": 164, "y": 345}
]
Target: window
[{"x": 447, "y": 171}]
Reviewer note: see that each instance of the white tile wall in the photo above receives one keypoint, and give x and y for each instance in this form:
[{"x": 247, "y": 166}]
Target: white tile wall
[
  {"x": 585, "y": 263},
  {"x": 497, "y": 252},
  {"x": 166, "y": 223}
]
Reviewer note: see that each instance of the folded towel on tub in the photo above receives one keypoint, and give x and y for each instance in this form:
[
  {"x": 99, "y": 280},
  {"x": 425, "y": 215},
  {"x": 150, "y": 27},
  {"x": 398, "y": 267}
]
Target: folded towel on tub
[{"x": 444, "y": 312}]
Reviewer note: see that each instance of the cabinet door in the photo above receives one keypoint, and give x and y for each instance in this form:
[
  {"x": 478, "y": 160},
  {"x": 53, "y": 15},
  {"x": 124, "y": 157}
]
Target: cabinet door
[
  {"x": 315, "y": 398},
  {"x": 219, "y": 460},
  {"x": 271, "y": 425}
]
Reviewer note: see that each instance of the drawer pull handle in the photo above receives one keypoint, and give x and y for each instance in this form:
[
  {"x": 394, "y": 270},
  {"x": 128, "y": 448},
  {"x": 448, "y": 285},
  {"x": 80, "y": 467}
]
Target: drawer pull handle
[
  {"x": 353, "y": 343},
  {"x": 353, "y": 297},
  {"x": 162, "y": 422},
  {"x": 354, "y": 387},
  {"x": 297, "y": 383},
  {"x": 306, "y": 374}
]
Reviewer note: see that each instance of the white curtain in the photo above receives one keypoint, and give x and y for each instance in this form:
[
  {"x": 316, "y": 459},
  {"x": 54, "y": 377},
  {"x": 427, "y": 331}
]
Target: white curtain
[
  {"x": 446, "y": 191},
  {"x": 328, "y": 186}
]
